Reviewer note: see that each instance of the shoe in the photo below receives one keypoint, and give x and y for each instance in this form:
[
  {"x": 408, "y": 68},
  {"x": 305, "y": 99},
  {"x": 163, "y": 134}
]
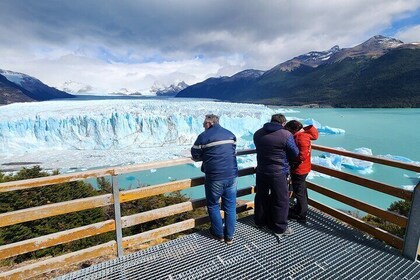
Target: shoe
[
  {"x": 297, "y": 218},
  {"x": 289, "y": 231},
  {"x": 221, "y": 239},
  {"x": 228, "y": 241}
]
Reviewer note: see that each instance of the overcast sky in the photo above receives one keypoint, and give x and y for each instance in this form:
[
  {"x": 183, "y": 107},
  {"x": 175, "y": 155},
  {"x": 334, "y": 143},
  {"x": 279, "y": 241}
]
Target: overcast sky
[{"x": 133, "y": 44}]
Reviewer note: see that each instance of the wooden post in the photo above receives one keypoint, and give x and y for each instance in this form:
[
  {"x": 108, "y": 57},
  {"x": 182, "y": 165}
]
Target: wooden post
[
  {"x": 117, "y": 215},
  {"x": 412, "y": 233}
]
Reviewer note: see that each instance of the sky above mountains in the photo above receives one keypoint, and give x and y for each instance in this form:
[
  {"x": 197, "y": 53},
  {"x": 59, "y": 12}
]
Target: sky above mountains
[{"x": 134, "y": 44}]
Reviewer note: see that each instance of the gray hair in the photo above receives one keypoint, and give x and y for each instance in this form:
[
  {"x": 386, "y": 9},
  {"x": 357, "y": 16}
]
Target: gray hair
[{"x": 212, "y": 118}]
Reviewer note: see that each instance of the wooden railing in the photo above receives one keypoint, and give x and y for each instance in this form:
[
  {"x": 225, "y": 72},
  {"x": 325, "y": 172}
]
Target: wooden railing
[
  {"x": 410, "y": 244},
  {"x": 115, "y": 247}
]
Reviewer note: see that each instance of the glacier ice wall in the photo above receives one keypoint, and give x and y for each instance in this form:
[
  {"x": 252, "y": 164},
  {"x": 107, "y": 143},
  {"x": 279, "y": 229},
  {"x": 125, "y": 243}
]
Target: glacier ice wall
[{"x": 120, "y": 124}]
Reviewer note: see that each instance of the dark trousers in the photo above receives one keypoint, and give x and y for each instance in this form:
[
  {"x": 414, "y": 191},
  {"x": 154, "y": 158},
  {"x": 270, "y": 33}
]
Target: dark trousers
[
  {"x": 301, "y": 194},
  {"x": 272, "y": 201}
]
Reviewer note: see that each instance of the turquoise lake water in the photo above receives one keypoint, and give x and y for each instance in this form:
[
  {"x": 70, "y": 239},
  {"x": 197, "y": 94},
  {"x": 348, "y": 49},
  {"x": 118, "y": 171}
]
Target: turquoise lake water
[{"x": 384, "y": 131}]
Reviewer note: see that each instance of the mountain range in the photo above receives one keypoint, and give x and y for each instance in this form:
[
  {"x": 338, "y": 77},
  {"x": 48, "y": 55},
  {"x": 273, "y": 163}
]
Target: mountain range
[
  {"x": 18, "y": 87},
  {"x": 157, "y": 89},
  {"x": 381, "y": 72}
]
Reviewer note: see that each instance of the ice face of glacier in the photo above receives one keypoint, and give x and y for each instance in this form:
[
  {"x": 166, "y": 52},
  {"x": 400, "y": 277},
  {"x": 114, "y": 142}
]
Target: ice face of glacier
[
  {"x": 92, "y": 133},
  {"x": 119, "y": 124}
]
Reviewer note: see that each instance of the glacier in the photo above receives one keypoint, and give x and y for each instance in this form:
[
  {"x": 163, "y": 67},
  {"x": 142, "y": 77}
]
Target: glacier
[{"x": 84, "y": 134}]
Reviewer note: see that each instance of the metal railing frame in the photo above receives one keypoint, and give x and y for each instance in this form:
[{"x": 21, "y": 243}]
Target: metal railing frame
[{"x": 409, "y": 246}]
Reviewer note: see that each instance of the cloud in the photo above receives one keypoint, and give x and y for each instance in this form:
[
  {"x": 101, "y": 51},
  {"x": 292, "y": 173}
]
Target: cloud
[
  {"x": 102, "y": 42},
  {"x": 410, "y": 34}
]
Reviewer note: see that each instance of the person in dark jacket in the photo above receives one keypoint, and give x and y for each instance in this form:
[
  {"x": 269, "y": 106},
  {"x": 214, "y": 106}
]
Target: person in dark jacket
[
  {"x": 216, "y": 148},
  {"x": 275, "y": 148},
  {"x": 303, "y": 137}
]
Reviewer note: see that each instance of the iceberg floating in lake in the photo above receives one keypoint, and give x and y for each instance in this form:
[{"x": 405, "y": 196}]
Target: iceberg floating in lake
[
  {"x": 339, "y": 162},
  {"x": 323, "y": 129},
  {"x": 399, "y": 158},
  {"x": 414, "y": 179},
  {"x": 408, "y": 187}
]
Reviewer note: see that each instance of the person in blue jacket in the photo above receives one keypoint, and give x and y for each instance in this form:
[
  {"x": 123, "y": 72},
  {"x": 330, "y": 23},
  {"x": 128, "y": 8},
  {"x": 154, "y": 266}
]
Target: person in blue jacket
[
  {"x": 275, "y": 148},
  {"x": 216, "y": 148}
]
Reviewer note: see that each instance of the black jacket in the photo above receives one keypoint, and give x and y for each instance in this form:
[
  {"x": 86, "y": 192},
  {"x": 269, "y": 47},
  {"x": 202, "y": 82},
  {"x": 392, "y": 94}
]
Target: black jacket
[{"x": 275, "y": 148}]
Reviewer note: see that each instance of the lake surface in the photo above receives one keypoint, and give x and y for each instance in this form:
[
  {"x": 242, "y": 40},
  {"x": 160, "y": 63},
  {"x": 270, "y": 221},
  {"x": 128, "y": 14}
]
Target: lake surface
[{"x": 384, "y": 131}]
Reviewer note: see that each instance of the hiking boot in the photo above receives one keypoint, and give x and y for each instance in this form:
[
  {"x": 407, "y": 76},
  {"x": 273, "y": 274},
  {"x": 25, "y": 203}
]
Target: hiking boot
[
  {"x": 221, "y": 239},
  {"x": 228, "y": 241}
]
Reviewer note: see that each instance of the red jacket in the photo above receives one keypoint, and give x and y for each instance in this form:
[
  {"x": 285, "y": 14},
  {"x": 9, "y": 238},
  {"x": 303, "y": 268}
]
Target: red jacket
[{"x": 303, "y": 141}]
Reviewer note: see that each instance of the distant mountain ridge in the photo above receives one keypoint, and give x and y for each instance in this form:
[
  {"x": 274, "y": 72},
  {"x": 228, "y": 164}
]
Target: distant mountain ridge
[
  {"x": 19, "y": 87},
  {"x": 381, "y": 72},
  {"x": 11, "y": 93},
  {"x": 157, "y": 89},
  {"x": 170, "y": 90}
]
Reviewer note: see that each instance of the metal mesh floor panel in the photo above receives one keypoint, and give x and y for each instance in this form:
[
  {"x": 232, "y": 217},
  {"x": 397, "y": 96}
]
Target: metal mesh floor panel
[{"x": 323, "y": 248}]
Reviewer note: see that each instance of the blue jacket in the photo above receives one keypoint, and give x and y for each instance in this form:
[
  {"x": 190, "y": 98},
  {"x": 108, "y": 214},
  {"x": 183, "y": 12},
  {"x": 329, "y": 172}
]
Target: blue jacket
[
  {"x": 216, "y": 148},
  {"x": 275, "y": 148}
]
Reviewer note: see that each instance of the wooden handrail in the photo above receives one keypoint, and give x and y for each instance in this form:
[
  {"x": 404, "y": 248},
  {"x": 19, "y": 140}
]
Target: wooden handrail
[
  {"x": 65, "y": 178},
  {"x": 371, "y": 184},
  {"x": 387, "y": 215},
  {"x": 381, "y": 234},
  {"x": 49, "y": 210},
  {"x": 62, "y": 237}
]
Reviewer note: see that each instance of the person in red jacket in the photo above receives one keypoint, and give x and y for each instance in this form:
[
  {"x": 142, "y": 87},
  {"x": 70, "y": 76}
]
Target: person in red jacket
[{"x": 300, "y": 170}]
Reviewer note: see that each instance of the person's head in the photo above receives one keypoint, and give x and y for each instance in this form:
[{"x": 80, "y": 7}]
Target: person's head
[
  {"x": 209, "y": 120},
  {"x": 293, "y": 126},
  {"x": 278, "y": 118}
]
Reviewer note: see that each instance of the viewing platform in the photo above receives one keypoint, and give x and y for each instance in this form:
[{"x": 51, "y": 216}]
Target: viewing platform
[
  {"x": 331, "y": 245},
  {"x": 321, "y": 249}
]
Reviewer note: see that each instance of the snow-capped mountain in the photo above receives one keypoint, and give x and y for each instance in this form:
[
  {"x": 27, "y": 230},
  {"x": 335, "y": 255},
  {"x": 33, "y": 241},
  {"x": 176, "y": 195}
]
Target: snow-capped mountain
[
  {"x": 374, "y": 47},
  {"x": 125, "y": 91},
  {"x": 157, "y": 89},
  {"x": 171, "y": 90},
  {"x": 76, "y": 87},
  {"x": 312, "y": 59},
  {"x": 34, "y": 88}
]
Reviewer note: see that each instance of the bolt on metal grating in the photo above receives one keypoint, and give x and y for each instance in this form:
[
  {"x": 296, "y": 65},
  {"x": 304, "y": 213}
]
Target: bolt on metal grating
[{"x": 323, "y": 248}]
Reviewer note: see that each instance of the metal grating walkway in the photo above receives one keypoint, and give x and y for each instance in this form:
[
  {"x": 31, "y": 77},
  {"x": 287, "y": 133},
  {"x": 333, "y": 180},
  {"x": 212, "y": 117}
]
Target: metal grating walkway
[{"x": 322, "y": 249}]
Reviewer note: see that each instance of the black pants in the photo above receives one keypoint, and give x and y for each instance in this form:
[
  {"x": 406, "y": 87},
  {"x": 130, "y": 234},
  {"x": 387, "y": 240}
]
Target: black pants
[
  {"x": 272, "y": 201},
  {"x": 301, "y": 194}
]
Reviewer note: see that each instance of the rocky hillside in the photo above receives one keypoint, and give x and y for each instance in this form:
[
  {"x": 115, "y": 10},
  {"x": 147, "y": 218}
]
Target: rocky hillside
[
  {"x": 11, "y": 93},
  {"x": 381, "y": 72},
  {"x": 19, "y": 87}
]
